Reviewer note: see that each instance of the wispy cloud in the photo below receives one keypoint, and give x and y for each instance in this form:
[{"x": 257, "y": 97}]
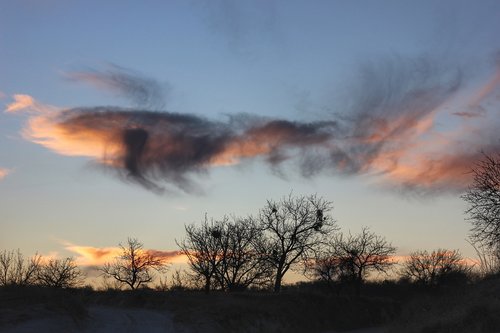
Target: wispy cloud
[
  {"x": 242, "y": 25},
  {"x": 21, "y": 102},
  {"x": 145, "y": 146},
  {"x": 470, "y": 114},
  {"x": 27, "y": 103},
  {"x": 393, "y": 127},
  {"x": 138, "y": 89},
  {"x": 96, "y": 256},
  {"x": 4, "y": 172}
]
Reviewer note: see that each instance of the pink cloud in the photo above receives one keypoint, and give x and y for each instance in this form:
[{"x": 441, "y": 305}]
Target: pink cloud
[
  {"x": 4, "y": 172},
  {"x": 96, "y": 256}
]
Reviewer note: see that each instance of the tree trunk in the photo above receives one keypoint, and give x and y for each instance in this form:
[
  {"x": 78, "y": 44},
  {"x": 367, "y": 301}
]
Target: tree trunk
[
  {"x": 277, "y": 283},
  {"x": 207, "y": 285},
  {"x": 359, "y": 282}
]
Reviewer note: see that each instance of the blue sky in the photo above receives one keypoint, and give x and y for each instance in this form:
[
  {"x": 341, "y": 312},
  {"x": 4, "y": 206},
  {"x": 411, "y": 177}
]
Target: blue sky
[{"x": 433, "y": 65}]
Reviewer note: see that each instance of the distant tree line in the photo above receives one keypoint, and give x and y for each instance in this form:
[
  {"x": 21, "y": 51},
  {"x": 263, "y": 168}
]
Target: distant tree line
[
  {"x": 294, "y": 233},
  {"x": 17, "y": 270},
  {"x": 351, "y": 258},
  {"x": 483, "y": 211},
  {"x": 238, "y": 253}
]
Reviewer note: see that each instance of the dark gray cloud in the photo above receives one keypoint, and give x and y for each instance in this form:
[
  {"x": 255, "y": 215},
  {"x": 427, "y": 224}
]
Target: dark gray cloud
[
  {"x": 244, "y": 26},
  {"x": 138, "y": 89},
  {"x": 392, "y": 101},
  {"x": 162, "y": 146},
  {"x": 385, "y": 128}
]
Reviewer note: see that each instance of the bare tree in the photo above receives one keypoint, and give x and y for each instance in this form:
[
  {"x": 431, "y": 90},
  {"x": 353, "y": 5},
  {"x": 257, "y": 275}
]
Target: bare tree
[
  {"x": 358, "y": 255},
  {"x": 202, "y": 248},
  {"x": 184, "y": 280},
  {"x": 483, "y": 197},
  {"x": 328, "y": 264},
  {"x": 135, "y": 266},
  {"x": 109, "y": 283},
  {"x": 178, "y": 280},
  {"x": 489, "y": 258},
  {"x": 223, "y": 254},
  {"x": 294, "y": 228},
  {"x": 17, "y": 270},
  {"x": 241, "y": 264},
  {"x": 433, "y": 268},
  {"x": 59, "y": 273}
]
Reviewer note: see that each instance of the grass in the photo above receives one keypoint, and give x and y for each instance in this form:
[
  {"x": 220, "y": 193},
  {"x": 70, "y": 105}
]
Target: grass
[
  {"x": 300, "y": 308},
  {"x": 287, "y": 312},
  {"x": 19, "y": 304},
  {"x": 471, "y": 308}
]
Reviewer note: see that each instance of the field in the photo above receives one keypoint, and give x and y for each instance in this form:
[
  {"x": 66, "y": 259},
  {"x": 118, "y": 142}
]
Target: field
[{"x": 306, "y": 307}]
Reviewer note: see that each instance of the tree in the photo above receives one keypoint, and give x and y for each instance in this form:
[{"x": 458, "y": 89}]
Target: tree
[
  {"x": 439, "y": 266},
  {"x": 223, "y": 254},
  {"x": 358, "y": 255},
  {"x": 241, "y": 264},
  {"x": 294, "y": 228},
  {"x": 135, "y": 266},
  {"x": 202, "y": 248},
  {"x": 17, "y": 270},
  {"x": 327, "y": 265},
  {"x": 59, "y": 273},
  {"x": 489, "y": 259},
  {"x": 483, "y": 197},
  {"x": 330, "y": 263}
]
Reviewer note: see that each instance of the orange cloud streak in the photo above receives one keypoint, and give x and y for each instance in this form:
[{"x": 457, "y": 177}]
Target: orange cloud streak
[
  {"x": 95, "y": 256},
  {"x": 21, "y": 102},
  {"x": 99, "y": 144},
  {"x": 486, "y": 90},
  {"x": 3, "y": 173},
  {"x": 394, "y": 139}
]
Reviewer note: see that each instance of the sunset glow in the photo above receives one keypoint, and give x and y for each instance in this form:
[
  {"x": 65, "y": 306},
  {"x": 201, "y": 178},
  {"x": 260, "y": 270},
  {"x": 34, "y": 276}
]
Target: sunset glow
[
  {"x": 120, "y": 119},
  {"x": 3, "y": 173},
  {"x": 94, "y": 256}
]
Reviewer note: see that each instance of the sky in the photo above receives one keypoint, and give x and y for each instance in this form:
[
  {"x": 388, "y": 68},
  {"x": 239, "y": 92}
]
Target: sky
[{"x": 131, "y": 119}]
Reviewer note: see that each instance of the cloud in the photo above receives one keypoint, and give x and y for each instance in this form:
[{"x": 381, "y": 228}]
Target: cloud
[
  {"x": 470, "y": 114},
  {"x": 393, "y": 126},
  {"x": 393, "y": 102},
  {"x": 96, "y": 256},
  {"x": 146, "y": 147},
  {"x": 169, "y": 256},
  {"x": 241, "y": 26},
  {"x": 141, "y": 91},
  {"x": 4, "y": 172},
  {"x": 401, "y": 259},
  {"x": 21, "y": 102},
  {"x": 488, "y": 88},
  {"x": 26, "y": 103}
]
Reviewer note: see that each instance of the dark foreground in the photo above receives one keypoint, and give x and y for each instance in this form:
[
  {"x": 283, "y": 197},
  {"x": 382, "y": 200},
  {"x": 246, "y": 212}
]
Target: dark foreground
[{"x": 386, "y": 307}]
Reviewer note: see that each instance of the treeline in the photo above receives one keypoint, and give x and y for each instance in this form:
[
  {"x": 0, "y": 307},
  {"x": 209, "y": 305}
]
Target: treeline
[
  {"x": 15, "y": 269},
  {"x": 294, "y": 233},
  {"x": 234, "y": 254}
]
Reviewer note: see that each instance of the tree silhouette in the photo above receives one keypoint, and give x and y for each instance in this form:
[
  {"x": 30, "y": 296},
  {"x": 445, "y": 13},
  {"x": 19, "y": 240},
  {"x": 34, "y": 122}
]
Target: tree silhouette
[
  {"x": 15, "y": 269},
  {"x": 294, "y": 228},
  {"x": 359, "y": 254},
  {"x": 483, "y": 197},
  {"x": 241, "y": 264},
  {"x": 433, "y": 268},
  {"x": 134, "y": 266},
  {"x": 223, "y": 254},
  {"x": 59, "y": 273},
  {"x": 329, "y": 265},
  {"x": 489, "y": 258},
  {"x": 202, "y": 248}
]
